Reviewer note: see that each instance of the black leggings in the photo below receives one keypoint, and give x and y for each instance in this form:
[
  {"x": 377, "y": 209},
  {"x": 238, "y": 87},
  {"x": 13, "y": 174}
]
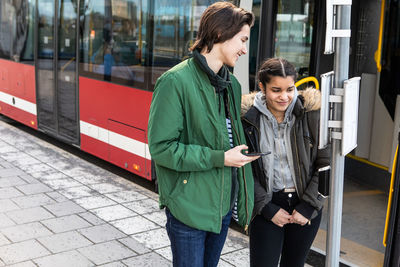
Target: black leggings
[{"x": 268, "y": 241}]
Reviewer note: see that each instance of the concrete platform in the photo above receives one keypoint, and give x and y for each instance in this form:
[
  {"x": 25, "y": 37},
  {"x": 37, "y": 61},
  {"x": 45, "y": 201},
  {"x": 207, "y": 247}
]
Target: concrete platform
[{"x": 59, "y": 210}]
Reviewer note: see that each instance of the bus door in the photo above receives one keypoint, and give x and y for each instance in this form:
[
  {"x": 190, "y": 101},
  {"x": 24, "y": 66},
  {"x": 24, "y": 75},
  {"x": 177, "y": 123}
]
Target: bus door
[
  {"x": 56, "y": 71},
  {"x": 288, "y": 29}
]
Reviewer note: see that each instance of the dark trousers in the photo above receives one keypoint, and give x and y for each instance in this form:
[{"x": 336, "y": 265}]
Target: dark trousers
[
  {"x": 195, "y": 248},
  {"x": 291, "y": 242}
]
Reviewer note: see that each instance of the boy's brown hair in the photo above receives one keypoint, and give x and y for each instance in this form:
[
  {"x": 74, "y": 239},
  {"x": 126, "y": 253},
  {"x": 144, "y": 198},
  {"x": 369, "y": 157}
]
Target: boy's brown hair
[{"x": 220, "y": 22}]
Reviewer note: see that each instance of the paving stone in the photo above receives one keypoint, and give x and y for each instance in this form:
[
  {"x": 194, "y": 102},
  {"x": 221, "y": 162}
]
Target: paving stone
[
  {"x": 105, "y": 188},
  {"x": 153, "y": 239},
  {"x": 9, "y": 192},
  {"x": 147, "y": 260},
  {"x": 238, "y": 257},
  {"x": 113, "y": 264},
  {"x": 30, "y": 189},
  {"x": 223, "y": 263},
  {"x": 65, "y": 224},
  {"x": 126, "y": 196},
  {"x": 64, "y": 208},
  {"x": 6, "y": 165},
  {"x": 134, "y": 225},
  {"x": 22, "y": 251},
  {"x": 61, "y": 165},
  {"x": 158, "y": 217},
  {"x": 11, "y": 172},
  {"x": 11, "y": 181},
  {"x": 134, "y": 245},
  {"x": 5, "y": 221},
  {"x": 64, "y": 241},
  {"x": 165, "y": 252},
  {"x": 94, "y": 202},
  {"x": 29, "y": 215},
  {"x": 24, "y": 264},
  {"x": 33, "y": 201},
  {"x": 29, "y": 179},
  {"x": 7, "y": 148},
  {"x": 89, "y": 179},
  {"x": 4, "y": 241},
  {"x": 76, "y": 172},
  {"x": 91, "y": 218},
  {"x": 143, "y": 206},
  {"x": 106, "y": 252},
  {"x": 101, "y": 233},
  {"x": 62, "y": 183},
  {"x": 77, "y": 192},
  {"x": 54, "y": 175},
  {"x": 57, "y": 196},
  {"x": 65, "y": 259},
  {"x": 25, "y": 160},
  {"x": 41, "y": 167},
  {"x": 234, "y": 241},
  {"x": 112, "y": 213},
  {"x": 25, "y": 231},
  {"x": 7, "y": 205}
]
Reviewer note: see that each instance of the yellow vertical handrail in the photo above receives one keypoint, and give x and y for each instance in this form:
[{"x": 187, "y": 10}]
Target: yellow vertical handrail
[
  {"x": 378, "y": 52},
  {"x": 385, "y": 233}
]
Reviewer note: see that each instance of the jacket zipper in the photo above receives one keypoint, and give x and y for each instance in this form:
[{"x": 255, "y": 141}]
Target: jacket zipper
[
  {"x": 246, "y": 226},
  {"x": 223, "y": 173},
  {"x": 259, "y": 133},
  {"x": 297, "y": 161}
]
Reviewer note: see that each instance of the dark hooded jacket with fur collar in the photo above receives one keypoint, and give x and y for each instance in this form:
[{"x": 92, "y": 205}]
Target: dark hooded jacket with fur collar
[{"x": 307, "y": 157}]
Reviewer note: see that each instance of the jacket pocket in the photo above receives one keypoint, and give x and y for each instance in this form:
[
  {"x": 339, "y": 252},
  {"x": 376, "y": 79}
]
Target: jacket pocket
[{"x": 181, "y": 182}]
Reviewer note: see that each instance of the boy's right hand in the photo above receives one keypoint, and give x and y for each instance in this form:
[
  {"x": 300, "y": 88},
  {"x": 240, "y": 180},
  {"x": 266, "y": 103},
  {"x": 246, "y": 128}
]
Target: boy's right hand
[{"x": 235, "y": 158}]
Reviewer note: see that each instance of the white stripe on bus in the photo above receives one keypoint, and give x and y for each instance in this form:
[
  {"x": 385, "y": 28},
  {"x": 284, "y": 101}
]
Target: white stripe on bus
[
  {"x": 19, "y": 103},
  {"x": 115, "y": 139}
]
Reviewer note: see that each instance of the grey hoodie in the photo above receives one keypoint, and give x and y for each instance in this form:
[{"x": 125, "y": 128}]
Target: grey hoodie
[{"x": 275, "y": 137}]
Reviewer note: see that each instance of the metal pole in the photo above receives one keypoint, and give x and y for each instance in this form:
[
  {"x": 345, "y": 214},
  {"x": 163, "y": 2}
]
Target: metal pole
[{"x": 341, "y": 69}]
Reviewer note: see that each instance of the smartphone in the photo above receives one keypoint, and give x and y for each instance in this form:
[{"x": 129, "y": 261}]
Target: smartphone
[{"x": 252, "y": 154}]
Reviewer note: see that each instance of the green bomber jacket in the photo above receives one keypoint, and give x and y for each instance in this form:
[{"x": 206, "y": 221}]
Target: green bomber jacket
[{"x": 187, "y": 136}]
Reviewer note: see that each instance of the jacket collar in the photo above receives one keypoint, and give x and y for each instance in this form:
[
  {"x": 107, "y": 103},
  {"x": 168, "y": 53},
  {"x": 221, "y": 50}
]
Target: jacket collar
[{"x": 253, "y": 113}]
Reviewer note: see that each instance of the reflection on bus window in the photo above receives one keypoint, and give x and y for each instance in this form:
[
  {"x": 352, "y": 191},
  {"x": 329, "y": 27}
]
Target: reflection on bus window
[
  {"x": 293, "y": 34},
  {"x": 16, "y": 43},
  {"x": 109, "y": 45},
  {"x": 175, "y": 27},
  {"x": 132, "y": 42}
]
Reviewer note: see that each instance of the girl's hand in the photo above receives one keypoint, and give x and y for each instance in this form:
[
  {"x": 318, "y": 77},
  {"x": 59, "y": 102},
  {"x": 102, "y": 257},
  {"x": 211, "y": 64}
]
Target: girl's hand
[
  {"x": 281, "y": 218},
  {"x": 298, "y": 218}
]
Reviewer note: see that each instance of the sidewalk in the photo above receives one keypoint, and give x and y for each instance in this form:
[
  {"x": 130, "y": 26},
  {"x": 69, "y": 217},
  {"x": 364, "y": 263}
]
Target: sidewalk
[{"x": 59, "y": 210}]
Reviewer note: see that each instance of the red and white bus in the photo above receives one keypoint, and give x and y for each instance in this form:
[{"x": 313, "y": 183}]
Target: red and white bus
[{"x": 83, "y": 71}]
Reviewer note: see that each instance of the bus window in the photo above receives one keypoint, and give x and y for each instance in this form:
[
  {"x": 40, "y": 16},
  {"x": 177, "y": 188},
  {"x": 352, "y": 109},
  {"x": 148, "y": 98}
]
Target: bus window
[
  {"x": 132, "y": 42},
  {"x": 293, "y": 34},
  {"x": 111, "y": 46},
  {"x": 16, "y": 30}
]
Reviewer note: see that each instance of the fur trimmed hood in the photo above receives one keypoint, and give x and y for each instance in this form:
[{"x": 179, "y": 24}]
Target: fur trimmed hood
[{"x": 311, "y": 96}]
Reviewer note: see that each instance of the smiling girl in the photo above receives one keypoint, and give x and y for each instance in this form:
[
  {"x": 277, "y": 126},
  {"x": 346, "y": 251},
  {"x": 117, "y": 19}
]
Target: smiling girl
[{"x": 287, "y": 204}]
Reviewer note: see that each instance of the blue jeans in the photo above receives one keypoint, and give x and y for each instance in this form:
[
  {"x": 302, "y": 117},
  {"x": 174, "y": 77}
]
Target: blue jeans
[{"x": 195, "y": 248}]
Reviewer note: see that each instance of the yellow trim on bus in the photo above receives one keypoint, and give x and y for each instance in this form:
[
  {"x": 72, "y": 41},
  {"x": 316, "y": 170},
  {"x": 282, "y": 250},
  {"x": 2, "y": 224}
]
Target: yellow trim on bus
[
  {"x": 385, "y": 233},
  {"x": 378, "y": 52},
  {"x": 306, "y": 80},
  {"x": 368, "y": 162}
]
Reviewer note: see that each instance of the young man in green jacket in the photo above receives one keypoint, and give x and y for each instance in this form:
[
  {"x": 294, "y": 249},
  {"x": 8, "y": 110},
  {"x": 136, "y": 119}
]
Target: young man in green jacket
[{"x": 196, "y": 140}]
